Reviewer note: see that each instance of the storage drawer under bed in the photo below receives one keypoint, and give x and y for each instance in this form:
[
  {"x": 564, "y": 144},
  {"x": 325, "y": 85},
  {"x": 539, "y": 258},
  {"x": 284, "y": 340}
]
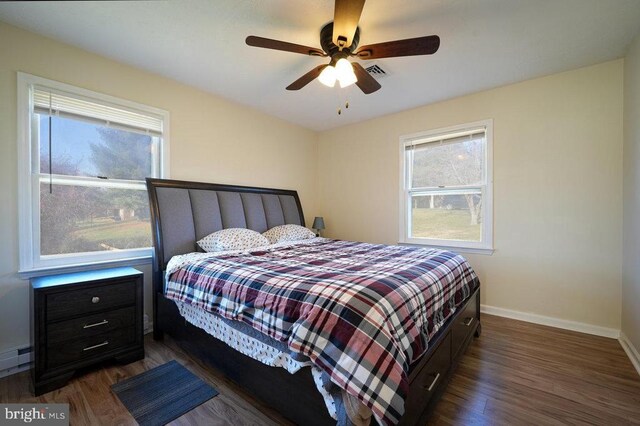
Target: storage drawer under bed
[
  {"x": 429, "y": 377},
  {"x": 464, "y": 324}
]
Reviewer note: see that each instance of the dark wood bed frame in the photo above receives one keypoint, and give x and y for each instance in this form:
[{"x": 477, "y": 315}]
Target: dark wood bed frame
[{"x": 295, "y": 395}]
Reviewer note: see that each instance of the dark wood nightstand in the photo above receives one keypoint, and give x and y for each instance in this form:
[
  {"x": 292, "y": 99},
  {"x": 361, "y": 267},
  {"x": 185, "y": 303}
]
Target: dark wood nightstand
[{"x": 82, "y": 318}]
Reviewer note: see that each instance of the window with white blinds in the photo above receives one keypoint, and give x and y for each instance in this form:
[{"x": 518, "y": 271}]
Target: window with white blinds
[
  {"x": 76, "y": 107},
  {"x": 446, "y": 194},
  {"x": 84, "y": 174}
]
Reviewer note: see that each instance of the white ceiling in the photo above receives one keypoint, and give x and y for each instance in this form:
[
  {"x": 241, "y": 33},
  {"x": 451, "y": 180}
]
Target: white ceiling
[{"x": 484, "y": 44}]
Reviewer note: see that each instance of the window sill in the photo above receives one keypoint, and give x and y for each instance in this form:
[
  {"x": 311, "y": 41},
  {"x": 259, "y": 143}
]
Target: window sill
[
  {"x": 471, "y": 250},
  {"x": 39, "y": 272}
]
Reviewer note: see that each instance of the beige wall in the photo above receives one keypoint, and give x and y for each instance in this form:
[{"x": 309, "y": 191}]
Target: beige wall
[
  {"x": 631, "y": 230},
  {"x": 211, "y": 140},
  {"x": 557, "y": 189},
  {"x": 557, "y": 174}
]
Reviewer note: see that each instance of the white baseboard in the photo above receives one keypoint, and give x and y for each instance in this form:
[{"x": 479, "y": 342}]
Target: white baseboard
[
  {"x": 552, "y": 322},
  {"x": 15, "y": 370},
  {"x": 14, "y": 361},
  {"x": 631, "y": 351},
  {"x": 148, "y": 328}
]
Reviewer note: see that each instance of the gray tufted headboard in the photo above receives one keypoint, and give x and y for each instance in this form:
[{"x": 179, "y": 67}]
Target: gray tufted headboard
[{"x": 183, "y": 212}]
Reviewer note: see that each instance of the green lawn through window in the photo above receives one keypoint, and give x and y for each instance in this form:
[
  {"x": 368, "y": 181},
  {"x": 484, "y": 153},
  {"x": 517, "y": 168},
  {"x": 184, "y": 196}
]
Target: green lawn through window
[
  {"x": 115, "y": 234},
  {"x": 443, "y": 224}
]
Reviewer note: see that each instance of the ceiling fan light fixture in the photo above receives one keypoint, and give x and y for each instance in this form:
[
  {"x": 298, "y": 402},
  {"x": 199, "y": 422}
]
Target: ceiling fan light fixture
[
  {"x": 340, "y": 40},
  {"x": 348, "y": 80},
  {"x": 345, "y": 74},
  {"x": 328, "y": 76}
]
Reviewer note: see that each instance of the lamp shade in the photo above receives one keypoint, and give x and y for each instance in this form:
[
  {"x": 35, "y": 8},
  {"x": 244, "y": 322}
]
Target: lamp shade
[
  {"x": 318, "y": 223},
  {"x": 328, "y": 76},
  {"x": 344, "y": 73}
]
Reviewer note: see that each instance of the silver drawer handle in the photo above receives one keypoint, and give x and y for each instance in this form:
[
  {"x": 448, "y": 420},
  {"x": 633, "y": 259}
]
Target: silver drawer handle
[
  {"x": 103, "y": 322},
  {"x": 468, "y": 321},
  {"x": 433, "y": 383},
  {"x": 95, "y": 299},
  {"x": 105, "y": 343}
]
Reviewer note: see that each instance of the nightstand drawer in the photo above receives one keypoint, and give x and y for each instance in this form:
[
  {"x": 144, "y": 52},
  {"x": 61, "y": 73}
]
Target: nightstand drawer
[
  {"x": 90, "y": 325},
  {"x": 90, "y": 299},
  {"x": 84, "y": 318},
  {"x": 90, "y": 347}
]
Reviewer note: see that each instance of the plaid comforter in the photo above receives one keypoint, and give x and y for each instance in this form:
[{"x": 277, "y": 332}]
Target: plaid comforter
[{"x": 361, "y": 312}]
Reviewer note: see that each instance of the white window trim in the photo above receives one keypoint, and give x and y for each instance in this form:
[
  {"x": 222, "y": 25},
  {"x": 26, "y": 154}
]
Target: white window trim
[
  {"x": 485, "y": 246},
  {"x": 30, "y": 263}
]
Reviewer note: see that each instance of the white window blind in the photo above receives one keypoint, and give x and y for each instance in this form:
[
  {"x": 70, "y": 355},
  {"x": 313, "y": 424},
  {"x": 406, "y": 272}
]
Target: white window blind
[
  {"x": 446, "y": 187},
  {"x": 449, "y": 139},
  {"x": 449, "y": 167},
  {"x": 83, "y": 159},
  {"x": 50, "y": 101}
]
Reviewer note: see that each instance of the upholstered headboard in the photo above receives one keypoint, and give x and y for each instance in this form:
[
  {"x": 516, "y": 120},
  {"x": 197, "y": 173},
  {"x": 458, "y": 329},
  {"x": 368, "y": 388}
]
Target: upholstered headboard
[{"x": 183, "y": 212}]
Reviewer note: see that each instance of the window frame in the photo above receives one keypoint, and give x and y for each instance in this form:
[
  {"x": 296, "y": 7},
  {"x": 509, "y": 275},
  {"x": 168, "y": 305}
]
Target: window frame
[
  {"x": 485, "y": 245},
  {"x": 31, "y": 263}
]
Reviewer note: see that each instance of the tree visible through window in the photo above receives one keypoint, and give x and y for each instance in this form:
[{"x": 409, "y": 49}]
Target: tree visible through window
[
  {"x": 76, "y": 218},
  {"x": 445, "y": 188},
  {"x": 90, "y": 155}
]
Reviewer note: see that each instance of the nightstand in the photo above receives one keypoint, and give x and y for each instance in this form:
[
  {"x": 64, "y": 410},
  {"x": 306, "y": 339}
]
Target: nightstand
[{"x": 82, "y": 318}]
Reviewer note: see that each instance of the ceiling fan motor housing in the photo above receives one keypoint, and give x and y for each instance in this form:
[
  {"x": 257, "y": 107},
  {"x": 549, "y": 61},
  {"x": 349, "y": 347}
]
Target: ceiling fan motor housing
[{"x": 334, "y": 52}]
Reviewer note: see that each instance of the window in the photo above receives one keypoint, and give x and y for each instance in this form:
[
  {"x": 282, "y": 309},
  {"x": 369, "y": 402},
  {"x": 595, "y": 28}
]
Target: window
[
  {"x": 83, "y": 159},
  {"x": 446, "y": 187}
]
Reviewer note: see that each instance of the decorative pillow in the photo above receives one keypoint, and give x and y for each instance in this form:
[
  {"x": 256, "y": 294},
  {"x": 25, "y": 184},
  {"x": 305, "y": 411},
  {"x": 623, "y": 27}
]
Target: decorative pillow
[
  {"x": 282, "y": 233},
  {"x": 232, "y": 239}
]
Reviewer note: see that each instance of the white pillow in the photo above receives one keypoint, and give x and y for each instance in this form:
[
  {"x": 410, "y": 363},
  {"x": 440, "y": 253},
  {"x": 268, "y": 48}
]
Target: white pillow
[
  {"x": 282, "y": 233},
  {"x": 232, "y": 239}
]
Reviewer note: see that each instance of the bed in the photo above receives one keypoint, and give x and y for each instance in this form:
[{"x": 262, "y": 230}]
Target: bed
[{"x": 183, "y": 212}]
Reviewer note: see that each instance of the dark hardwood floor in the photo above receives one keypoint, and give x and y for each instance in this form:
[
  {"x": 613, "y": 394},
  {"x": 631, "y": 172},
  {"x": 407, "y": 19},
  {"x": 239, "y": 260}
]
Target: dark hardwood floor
[
  {"x": 521, "y": 373},
  {"x": 515, "y": 373}
]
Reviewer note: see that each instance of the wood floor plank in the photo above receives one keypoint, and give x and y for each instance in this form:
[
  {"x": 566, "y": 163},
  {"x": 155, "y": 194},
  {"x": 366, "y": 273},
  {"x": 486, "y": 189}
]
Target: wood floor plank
[{"x": 515, "y": 373}]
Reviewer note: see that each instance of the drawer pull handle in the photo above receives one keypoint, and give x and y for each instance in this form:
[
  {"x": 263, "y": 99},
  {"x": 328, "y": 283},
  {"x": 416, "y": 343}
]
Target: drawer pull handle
[
  {"x": 88, "y": 348},
  {"x": 95, "y": 299},
  {"x": 435, "y": 380},
  {"x": 468, "y": 321},
  {"x": 103, "y": 322}
]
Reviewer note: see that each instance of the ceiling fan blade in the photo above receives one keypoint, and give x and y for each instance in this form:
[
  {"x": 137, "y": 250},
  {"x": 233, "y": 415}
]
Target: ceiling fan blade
[
  {"x": 409, "y": 47},
  {"x": 345, "y": 21},
  {"x": 307, "y": 78},
  {"x": 268, "y": 43},
  {"x": 365, "y": 82}
]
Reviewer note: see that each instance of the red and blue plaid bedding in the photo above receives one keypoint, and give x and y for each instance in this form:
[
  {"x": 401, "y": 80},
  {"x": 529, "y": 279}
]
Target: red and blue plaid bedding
[{"x": 361, "y": 312}]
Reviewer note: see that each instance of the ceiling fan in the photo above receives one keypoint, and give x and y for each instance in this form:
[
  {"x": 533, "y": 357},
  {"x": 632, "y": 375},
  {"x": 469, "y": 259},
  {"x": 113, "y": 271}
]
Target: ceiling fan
[{"x": 339, "y": 40}]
